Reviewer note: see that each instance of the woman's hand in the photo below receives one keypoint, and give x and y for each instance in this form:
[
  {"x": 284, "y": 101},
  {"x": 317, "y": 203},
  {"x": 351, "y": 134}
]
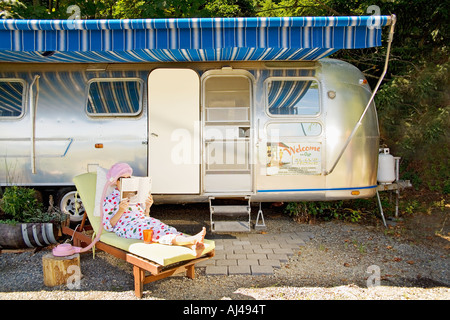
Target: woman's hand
[
  {"x": 148, "y": 204},
  {"x": 149, "y": 201},
  {"x": 123, "y": 205}
]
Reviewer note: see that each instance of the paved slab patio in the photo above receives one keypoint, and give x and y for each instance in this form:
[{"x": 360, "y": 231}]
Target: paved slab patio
[{"x": 253, "y": 254}]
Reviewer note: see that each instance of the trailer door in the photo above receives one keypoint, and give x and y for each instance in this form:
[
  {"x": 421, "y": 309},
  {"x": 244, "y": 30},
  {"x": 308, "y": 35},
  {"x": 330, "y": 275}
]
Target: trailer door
[
  {"x": 227, "y": 101},
  {"x": 174, "y": 135}
]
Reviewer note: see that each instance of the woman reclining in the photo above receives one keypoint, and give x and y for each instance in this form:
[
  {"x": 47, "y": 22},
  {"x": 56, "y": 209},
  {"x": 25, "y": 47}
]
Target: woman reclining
[{"x": 130, "y": 220}]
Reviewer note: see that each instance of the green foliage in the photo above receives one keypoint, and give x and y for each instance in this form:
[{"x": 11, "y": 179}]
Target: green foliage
[
  {"x": 326, "y": 210},
  {"x": 357, "y": 210},
  {"x": 230, "y": 8},
  {"x": 290, "y": 8},
  {"x": 304, "y": 212},
  {"x": 412, "y": 206},
  {"x": 157, "y": 9},
  {"x": 20, "y": 204},
  {"x": 414, "y": 113},
  {"x": 126, "y": 9}
]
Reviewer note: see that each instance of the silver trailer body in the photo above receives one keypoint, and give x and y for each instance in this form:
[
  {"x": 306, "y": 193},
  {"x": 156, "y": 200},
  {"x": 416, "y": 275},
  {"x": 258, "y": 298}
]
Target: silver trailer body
[{"x": 199, "y": 129}]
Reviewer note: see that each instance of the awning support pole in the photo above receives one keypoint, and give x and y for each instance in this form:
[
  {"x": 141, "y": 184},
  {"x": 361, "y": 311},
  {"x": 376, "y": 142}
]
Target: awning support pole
[
  {"x": 33, "y": 98},
  {"x": 358, "y": 124}
]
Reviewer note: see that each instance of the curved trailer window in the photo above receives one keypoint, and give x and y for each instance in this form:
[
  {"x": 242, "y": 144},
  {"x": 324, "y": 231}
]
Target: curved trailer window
[
  {"x": 114, "y": 97},
  {"x": 293, "y": 97},
  {"x": 11, "y": 98}
]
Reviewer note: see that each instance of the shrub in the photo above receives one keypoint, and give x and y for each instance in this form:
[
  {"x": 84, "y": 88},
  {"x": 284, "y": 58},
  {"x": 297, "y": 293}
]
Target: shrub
[
  {"x": 19, "y": 204},
  {"x": 414, "y": 113}
]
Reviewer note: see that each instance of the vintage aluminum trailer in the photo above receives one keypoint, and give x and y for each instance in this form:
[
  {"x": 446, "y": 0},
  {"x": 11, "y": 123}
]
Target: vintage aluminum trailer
[{"x": 208, "y": 108}]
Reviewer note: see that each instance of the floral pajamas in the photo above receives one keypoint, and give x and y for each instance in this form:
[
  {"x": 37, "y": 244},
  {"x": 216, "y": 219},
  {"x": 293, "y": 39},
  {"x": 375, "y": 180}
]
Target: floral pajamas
[{"x": 134, "y": 221}]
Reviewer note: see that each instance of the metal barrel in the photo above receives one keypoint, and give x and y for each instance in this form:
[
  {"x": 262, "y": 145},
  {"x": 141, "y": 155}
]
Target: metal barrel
[{"x": 29, "y": 235}]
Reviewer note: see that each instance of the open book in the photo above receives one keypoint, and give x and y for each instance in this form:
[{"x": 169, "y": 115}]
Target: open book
[{"x": 136, "y": 189}]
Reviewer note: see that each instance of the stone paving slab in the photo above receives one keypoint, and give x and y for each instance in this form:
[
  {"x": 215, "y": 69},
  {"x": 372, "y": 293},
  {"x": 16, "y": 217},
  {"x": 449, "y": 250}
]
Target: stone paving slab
[
  {"x": 239, "y": 270},
  {"x": 254, "y": 254},
  {"x": 262, "y": 270}
]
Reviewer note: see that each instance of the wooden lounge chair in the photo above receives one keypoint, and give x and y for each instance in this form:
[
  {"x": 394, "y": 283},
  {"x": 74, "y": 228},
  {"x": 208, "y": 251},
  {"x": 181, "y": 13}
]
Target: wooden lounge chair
[{"x": 159, "y": 260}]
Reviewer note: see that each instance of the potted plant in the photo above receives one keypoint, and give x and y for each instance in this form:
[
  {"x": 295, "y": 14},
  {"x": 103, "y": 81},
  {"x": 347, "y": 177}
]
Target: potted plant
[{"x": 24, "y": 222}]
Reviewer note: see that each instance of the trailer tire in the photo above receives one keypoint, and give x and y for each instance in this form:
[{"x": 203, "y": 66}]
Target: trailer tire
[{"x": 70, "y": 202}]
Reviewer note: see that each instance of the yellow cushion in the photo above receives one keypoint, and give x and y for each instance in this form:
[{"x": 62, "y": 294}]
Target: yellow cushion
[{"x": 159, "y": 253}]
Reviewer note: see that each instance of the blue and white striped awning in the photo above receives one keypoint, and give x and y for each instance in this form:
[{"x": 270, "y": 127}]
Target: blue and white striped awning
[{"x": 182, "y": 40}]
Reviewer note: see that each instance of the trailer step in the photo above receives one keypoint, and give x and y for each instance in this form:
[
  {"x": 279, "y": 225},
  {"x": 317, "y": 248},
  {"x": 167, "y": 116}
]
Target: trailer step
[
  {"x": 230, "y": 226},
  {"x": 237, "y": 210},
  {"x": 230, "y": 211}
]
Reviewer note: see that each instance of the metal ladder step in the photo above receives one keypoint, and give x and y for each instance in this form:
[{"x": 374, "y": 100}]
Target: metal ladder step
[
  {"x": 233, "y": 212},
  {"x": 230, "y": 211},
  {"x": 231, "y": 226}
]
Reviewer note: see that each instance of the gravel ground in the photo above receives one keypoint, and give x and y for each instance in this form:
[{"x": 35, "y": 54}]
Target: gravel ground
[{"x": 340, "y": 262}]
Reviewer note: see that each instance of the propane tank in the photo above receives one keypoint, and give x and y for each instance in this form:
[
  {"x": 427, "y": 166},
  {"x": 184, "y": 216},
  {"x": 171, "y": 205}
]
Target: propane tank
[{"x": 386, "y": 167}]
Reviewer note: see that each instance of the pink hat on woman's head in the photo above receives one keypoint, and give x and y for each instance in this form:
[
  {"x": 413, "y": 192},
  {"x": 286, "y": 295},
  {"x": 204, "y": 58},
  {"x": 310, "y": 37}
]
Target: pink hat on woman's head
[{"x": 118, "y": 170}]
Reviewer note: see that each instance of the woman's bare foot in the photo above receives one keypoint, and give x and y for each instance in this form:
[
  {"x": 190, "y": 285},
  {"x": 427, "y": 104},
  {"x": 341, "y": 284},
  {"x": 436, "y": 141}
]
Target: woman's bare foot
[
  {"x": 199, "y": 244},
  {"x": 198, "y": 248},
  {"x": 192, "y": 240},
  {"x": 200, "y": 237}
]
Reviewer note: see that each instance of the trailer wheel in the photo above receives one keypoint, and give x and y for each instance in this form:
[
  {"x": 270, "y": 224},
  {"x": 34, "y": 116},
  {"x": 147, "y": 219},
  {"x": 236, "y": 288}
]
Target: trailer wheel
[{"x": 70, "y": 202}]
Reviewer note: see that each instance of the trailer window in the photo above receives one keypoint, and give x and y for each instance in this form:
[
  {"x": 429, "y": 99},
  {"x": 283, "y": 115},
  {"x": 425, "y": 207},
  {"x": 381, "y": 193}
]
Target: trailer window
[
  {"x": 293, "y": 97},
  {"x": 11, "y": 98},
  {"x": 114, "y": 97},
  {"x": 227, "y": 99}
]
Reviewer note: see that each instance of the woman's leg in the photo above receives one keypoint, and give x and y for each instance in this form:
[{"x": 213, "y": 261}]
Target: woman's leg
[
  {"x": 183, "y": 240},
  {"x": 194, "y": 242}
]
